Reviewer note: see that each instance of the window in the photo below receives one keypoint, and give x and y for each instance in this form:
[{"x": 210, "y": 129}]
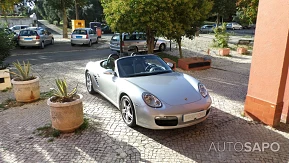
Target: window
[
  {"x": 115, "y": 38},
  {"x": 80, "y": 31}
]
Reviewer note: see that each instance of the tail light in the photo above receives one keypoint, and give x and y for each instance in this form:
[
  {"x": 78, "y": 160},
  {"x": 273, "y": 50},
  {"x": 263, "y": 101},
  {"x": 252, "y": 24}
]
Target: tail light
[
  {"x": 18, "y": 37},
  {"x": 122, "y": 44},
  {"x": 37, "y": 37},
  {"x": 86, "y": 36}
]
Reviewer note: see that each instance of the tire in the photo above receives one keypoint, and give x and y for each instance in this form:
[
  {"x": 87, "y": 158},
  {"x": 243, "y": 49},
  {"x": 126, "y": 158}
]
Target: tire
[
  {"x": 72, "y": 44},
  {"x": 233, "y": 28},
  {"x": 42, "y": 45},
  {"x": 162, "y": 47},
  {"x": 89, "y": 44},
  {"x": 52, "y": 41},
  {"x": 135, "y": 49},
  {"x": 127, "y": 111},
  {"x": 88, "y": 83}
]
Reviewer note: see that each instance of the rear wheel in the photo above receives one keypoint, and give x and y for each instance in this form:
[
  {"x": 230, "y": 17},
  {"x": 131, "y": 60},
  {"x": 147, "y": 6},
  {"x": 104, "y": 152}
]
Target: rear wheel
[
  {"x": 52, "y": 41},
  {"x": 89, "y": 44},
  {"x": 42, "y": 45},
  {"x": 88, "y": 82},
  {"x": 162, "y": 47},
  {"x": 127, "y": 111}
]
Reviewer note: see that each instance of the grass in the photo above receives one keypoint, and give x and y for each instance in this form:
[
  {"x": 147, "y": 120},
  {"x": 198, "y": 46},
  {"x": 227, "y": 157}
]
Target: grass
[
  {"x": 47, "y": 131},
  {"x": 6, "y": 89},
  {"x": 10, "y": 102},
  {"x": 165, "y": 55}
]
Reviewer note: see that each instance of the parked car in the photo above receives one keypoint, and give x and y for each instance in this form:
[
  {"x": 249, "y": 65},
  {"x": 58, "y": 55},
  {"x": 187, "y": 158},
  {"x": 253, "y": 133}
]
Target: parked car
[
  {"x": 17, "y": 28},
  {"x": 81, "y": 36},
  {"x": 233, "y": 26},
  {"x": 207, "y": 29},
  {"x": 135, "y": 42},
  {"x": 35, "y": 36},
  {"x": 106, "y": 29},
  {"x": 147, "y": 92}
]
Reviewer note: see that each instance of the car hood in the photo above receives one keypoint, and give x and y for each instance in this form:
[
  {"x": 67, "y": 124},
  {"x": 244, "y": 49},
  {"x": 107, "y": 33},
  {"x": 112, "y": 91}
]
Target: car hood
[{"x": 171, "y": 88}]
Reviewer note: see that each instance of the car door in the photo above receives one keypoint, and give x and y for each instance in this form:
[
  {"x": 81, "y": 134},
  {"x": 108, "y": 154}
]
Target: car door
[
  {"x": 107, "y": 83},
  {"x": 115, "y": 42},
  {"x": 42, "y": 35}
]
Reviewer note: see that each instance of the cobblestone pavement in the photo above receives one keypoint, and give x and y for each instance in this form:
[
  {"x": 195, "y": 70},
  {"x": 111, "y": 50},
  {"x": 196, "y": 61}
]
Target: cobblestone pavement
[{"x": 225, "y": 136}]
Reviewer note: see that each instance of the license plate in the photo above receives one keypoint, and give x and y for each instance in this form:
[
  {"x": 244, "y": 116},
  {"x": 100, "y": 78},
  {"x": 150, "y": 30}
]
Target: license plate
[
  {"x": 28, "y": 39},
  {"x": 194, "y": 116},
  {"x": 78, "y": 36}
]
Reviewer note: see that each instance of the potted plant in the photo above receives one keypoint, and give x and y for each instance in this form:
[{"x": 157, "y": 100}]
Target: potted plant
[
  {"x": 25, "y": 86},
  {"x": 5, "y": 48},
  {"x": 221, "y": 40},
  {"x": 66, "y": 109},
  {"x": 242, "y": 50}
]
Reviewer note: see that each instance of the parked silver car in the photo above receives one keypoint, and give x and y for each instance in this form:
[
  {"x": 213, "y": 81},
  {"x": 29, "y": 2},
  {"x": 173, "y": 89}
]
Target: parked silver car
[
  {"x": 234, "y": 26},
  {"x": 82, "y": 36},
  {"x": 207, "y": 29},
  {"x": 135, "y": 42},
  {"x": 17, "y": 28},
  {"x": 35, "y": 36},
  {"x": 148, "y": 92}
]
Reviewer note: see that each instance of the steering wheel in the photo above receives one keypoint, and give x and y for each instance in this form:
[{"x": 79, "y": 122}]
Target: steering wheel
[
  {"x": 150, "y": 66},
  {"x": 156, "y": 69}
]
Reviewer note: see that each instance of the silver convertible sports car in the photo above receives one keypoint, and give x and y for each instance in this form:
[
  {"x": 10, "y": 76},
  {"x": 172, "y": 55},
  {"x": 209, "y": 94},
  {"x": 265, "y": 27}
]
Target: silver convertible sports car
[{"x": 147, "y": 92}]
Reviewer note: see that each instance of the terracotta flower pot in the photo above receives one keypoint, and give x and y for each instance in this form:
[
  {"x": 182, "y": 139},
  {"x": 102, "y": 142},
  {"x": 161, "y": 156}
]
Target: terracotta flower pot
[
  {"x": 26, "y": 91},
  {"x": 68, "y": 116},
  {"x": 224, "y": 51},
  {"x": 5, "y": 81},
  {"x": 242, "y": 50}
]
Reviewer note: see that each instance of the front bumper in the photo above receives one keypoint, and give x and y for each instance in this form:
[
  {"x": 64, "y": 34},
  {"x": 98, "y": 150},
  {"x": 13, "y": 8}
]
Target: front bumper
[{"x": 171, "y": 117}]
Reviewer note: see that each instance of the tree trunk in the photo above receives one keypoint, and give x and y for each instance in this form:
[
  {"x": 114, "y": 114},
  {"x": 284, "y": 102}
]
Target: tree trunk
[
  {"x": 150, "y": 41},
  {"x": 64, "y": 16},
  {"x": 179, "y": 41},
  {"x": 218, "y": 19},
  {"x": 76, "y": 10},
  {"x": 120, "y": 44}
]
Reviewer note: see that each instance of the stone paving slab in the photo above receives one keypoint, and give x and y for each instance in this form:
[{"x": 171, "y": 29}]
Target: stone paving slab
[{"x": 221, "y": 138}]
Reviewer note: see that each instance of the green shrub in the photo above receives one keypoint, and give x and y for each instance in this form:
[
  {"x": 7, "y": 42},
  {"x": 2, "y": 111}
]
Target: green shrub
[
  {"x": 221, "y": 37},
  {"x": 6, "y": 46}
]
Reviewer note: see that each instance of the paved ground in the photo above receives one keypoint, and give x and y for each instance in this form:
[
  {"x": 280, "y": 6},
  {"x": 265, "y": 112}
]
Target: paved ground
[{"x": 225, "y": 136}]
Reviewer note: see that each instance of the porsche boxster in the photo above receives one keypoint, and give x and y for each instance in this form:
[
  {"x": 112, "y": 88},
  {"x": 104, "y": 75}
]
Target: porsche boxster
[{"x": 148, "y": 92}]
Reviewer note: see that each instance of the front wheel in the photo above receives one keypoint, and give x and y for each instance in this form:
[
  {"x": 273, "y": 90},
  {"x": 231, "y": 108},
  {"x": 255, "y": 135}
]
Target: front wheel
[
  {"x": 88, "y": 82},
  {"x": 127, "y": 111}
]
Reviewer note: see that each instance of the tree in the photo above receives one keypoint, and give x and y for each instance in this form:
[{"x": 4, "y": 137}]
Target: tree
[
  {"x": 224, "y": 8},
  {"x": 196, "y": 11},
  {"x": 7, "y": 6},
  {"x": 5, "y": 47},
  {"x": 247, "y": 10},
  {"x": 172, "y": 18}
]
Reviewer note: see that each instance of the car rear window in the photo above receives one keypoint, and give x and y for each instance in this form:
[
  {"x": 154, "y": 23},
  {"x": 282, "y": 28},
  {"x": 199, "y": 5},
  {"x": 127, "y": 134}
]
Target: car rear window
[
  {"x": 81, "y": 32},
  {"x": 28, "y": 33},
  {"x": 115, "y": 38}
]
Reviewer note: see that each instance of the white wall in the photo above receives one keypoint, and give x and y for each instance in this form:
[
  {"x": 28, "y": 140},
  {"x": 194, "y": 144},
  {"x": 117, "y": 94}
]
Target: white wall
[{"x": 17, "y": 21}]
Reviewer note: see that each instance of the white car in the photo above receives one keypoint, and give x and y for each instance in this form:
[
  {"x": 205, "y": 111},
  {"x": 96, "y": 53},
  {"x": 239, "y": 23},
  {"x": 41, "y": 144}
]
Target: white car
[
  {"x": 234, "y": 26},
  {"x": 81, "y": 36}
]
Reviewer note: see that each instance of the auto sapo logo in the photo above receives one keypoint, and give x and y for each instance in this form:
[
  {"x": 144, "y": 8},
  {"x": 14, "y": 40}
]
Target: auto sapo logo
[{"x": 247, "y": 147}]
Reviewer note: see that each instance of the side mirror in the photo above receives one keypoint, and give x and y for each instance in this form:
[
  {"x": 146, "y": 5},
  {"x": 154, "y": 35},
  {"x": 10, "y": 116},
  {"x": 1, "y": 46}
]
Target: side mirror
[
  {"x": 109, "y": 72},
  {"x": 170, "y": 64}
]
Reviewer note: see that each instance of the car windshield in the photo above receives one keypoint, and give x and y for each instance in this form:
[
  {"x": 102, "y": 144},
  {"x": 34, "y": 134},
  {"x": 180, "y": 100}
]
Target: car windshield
[
  {"x": 142, "y": 65},
  {"x": 79, "y": 31}
]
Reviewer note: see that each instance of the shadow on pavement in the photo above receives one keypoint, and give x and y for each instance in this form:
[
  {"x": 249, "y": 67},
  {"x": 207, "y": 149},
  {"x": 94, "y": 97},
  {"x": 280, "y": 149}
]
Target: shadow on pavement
[{"x": 224, "y": 138}]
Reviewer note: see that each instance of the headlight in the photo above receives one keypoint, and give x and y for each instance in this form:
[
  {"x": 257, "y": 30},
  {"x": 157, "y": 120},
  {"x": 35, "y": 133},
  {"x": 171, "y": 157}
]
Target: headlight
[
  {"x": 151, "y": 100},
  {"x": 203, "y": 90}
]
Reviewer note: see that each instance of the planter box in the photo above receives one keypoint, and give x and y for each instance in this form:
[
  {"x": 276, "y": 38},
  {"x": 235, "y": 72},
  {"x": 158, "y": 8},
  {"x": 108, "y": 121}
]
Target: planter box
[
  {"x": 242, "y": 50},
  {"x": 68, "y": 116},
  {"x": 194, "y": 63},
  {"x": 5, "y": 81},
  {"x": 224, "y": 51},
  {"x": 26, "y": 91},
  {"x": 171, "y": 61}
]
